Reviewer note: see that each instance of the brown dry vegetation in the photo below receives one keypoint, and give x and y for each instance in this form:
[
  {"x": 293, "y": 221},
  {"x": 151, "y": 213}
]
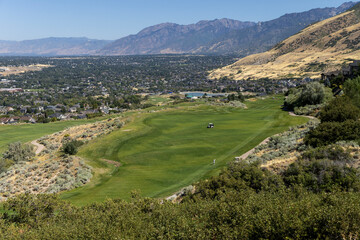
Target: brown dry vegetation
[
  {"x": 322, "y": 47},
  {"x": 10, "y": 70},
  {"x": 52, "y": 171}
]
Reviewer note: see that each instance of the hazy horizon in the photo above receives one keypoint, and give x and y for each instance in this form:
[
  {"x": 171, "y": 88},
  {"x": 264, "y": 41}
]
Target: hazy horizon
[{"x": 31, "y": 19}]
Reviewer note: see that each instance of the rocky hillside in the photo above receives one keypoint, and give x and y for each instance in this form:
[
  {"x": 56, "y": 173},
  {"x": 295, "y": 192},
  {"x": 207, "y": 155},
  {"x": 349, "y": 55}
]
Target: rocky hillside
[
  {"x": 174, "y": 38},
  {"x": 321, "y": 47},
  {"x": 52, "y": 46},
  {"x": 222, "y": 36}
]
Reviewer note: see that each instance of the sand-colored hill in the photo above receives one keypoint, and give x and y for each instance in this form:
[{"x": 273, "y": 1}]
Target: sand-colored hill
[{"x": 322, "y": 47}]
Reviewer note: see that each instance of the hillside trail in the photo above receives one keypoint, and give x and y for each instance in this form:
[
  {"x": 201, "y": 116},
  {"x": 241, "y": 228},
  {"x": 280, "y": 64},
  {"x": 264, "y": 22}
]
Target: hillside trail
[
  {"x": 39, "y": 147},
  {"x": 294, "y": 115}
]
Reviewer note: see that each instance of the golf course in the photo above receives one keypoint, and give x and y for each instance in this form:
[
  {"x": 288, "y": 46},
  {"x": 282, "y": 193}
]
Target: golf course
[
  {"x": 160, "y": 152},
  {"x": 28, "y": 132}
]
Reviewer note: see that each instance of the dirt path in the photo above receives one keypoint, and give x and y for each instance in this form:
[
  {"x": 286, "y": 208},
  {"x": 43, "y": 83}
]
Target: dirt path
[
  {"x": 251, "y": 151},
  {"x": 39, "y": 147},
  {"x": 294, "y": 115},
  {"x": 115, "y": 163}
]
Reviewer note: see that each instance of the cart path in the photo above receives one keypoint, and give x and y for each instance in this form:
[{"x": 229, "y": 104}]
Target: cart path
[
  {"x": 294, "y": 115},
  {"x": 39, "y": 147}
]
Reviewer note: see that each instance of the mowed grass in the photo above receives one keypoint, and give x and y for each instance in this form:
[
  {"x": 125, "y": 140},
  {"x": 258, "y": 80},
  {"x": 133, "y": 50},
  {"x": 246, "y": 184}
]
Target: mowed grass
[
  {"x": 28, "y": 132},
  {"x": 163, "y": 152}
]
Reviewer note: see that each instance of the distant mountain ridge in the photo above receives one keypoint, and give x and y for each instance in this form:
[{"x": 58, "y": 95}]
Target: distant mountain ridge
[
  {"x": 173, "y": 38},
  {"x": 52, "y": 47},
  {"x": 220, "y": 36},
  {"x": 322, "y": 47}
]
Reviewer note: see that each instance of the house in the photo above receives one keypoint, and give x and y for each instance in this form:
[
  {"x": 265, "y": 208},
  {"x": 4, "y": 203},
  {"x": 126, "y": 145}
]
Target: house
[
  {"x": 23, "y": 110},
  {"x": 346, "y": 72},
  {"x": 3, "y": 110},
  {"x": 26, "y": 119},
  {"x": 90, "y": 111},
  {"x": 58, "y": 116},
  {"x": 6, "y": 120},
  {"x": 73, "y": 109},
  {"x": 10, "y": 109},
  {"x": 104, "y": 109},
  {"x": 81, "y": 116},
  {"x": 51, "y": 107}
]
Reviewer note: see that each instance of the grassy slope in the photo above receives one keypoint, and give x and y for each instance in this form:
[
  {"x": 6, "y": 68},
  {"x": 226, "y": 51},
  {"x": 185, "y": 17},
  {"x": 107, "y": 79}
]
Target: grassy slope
[
  {"x": 29, "y": 132},
  {"x": 334, "y": 41},
  {"x": 169, "y": 150}
]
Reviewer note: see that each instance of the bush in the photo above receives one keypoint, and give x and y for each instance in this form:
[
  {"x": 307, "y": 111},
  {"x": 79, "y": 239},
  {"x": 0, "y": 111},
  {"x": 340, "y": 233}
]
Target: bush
[
  {"x": 322, "y": 175},
  {"x": 308, "y": 109},
  {"x": 18, "y": 152},
  {"x": 332, "y": 132},
  {"x": 310, "y": 94},
  {"x": 352, "y": 90},
  {"x": 339, "y": 110},
  {"x": 331, "y": 152},
  {"x": 71, "y": 147}
]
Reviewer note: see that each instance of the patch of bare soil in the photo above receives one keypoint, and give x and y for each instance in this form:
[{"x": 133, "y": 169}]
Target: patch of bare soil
[{"x": 115, "y": 163}]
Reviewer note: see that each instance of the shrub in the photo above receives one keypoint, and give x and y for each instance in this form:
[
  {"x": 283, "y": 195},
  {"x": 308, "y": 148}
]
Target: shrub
[
  {"x": 352, "y": 90},
  {"x": 71, "y": 148},
  {"x": 331, "y": 132},
  {"x": 322, "y": 175},
  {"x": 339, "y": 110},
  {"x": 18, "y": 152},
  {"x": 310, "y": 94},
  {"x": 331, "y": 152}
]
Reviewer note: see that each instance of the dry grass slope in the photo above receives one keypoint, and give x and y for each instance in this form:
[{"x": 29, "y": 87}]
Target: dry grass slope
[{"x": 322, "y": 47}]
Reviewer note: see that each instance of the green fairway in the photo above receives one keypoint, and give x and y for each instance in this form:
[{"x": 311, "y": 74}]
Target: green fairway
[
  {"x": 29, "y": 132},
  {"x": 162, "y": 152}
]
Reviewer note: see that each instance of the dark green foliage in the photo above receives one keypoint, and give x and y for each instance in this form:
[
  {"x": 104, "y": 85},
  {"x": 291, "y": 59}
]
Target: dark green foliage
[
  {"x": 238, "y": 176},
  {"x": 332, "y": 132},
  {"x": 4, "y": 164},
  {"x": 31, "y": 209},
  {"x": 339, "y": 109},
  {"x": 233, "y": 97},
  {"x": 339, "y": 121},
  {"x": 331, "y": 152},
  {"x": 352, "y": 90},
  {"x": 93, "y": 115},
  {"x": 322, "y": 175},
  {"x": 241, "y": 213},
  {"x": 71, "y": 147},
  {"x": 310, "y": 94}
]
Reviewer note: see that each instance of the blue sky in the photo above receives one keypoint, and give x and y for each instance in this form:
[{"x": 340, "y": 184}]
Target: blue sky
[{"x": 113, "y": 19}]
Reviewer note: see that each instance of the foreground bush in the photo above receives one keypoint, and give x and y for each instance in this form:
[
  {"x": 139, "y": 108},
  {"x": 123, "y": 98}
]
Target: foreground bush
[{"x": 240, "y": 215}]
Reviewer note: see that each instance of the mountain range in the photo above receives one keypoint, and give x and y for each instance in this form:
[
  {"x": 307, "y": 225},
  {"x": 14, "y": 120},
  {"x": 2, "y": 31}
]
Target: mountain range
[
  {"x": 222, "y": 36},
  {"x": 219, "y": 36},
  {"x": 52, "y": 47},
  {"x": 324, "y": 46}
]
